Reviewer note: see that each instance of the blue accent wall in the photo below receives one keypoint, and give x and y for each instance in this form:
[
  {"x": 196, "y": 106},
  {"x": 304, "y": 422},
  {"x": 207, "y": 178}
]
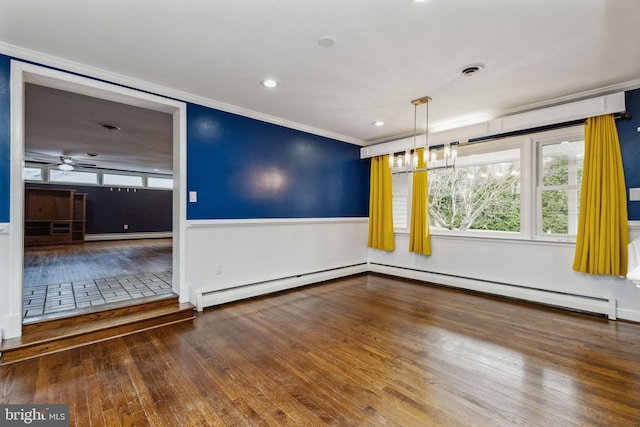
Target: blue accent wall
[
  {"x": 5, "y": 138},
  {"x": 244, "y": 168},
  {"x": 630, "y": 148}
]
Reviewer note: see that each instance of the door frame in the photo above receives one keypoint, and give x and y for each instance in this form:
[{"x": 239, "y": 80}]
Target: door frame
[{"x": 22, "y": 73}]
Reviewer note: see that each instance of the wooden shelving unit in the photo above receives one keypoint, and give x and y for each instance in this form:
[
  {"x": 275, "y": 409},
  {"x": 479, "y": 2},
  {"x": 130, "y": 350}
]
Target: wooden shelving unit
[
  {"x": 79, "y": 215},
  {"x": 54, "y": 216}
]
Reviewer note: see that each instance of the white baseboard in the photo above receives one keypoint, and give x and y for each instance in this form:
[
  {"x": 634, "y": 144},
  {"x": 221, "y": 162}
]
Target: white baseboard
[
  {"x": 631, "y": 315},
  {"x": 127, "y": 236},
  {"x": 587, "y": 303},
  {"x": 208, "y": 298}
]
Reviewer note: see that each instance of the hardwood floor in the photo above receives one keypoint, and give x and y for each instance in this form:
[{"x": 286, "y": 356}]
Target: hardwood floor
[
  {"x": 59, "y": 279},
  {"x": 366, "y": 350},
  {"x": 95, "y": 260}
]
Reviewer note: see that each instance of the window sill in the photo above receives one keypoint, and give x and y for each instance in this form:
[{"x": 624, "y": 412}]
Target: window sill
[{"x": 494, "y": 237}]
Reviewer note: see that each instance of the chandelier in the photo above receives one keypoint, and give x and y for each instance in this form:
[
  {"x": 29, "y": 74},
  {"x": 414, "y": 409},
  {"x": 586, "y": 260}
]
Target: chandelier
[{"x": 408, "y": 161}]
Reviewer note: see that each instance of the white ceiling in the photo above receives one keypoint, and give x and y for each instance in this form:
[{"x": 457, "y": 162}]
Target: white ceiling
[
  {"x": 386, "y": 53},
  {"x": 59, "y": 123}
]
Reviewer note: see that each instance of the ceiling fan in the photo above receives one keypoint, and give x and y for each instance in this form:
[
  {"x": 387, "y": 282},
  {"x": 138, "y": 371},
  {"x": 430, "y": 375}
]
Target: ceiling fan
[{"x": 63, "y": 162}]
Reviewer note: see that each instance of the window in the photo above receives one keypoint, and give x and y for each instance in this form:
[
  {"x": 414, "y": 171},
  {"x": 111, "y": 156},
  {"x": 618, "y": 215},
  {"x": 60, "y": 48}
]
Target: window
[
  {"x": 74, "y": 176},
  {"x": 559, "y": 179},
  {"x": 525, "y": 186},
  {"x": 400, "y": 201},
  {"x": 51, "y": 173},
  {"x": 33, "y": 173},
  {"x": 481, "y": 193},
  {"x": 122, "y": 180},
  {"x": 157, "y": 182}
]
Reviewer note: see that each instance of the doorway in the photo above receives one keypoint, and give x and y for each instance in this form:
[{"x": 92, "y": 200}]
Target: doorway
[{"x": 22, "y": 74}]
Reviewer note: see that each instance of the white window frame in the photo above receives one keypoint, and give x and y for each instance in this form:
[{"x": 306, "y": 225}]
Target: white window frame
[
  {"x": 100, "y": 178},
  {"x": 573, "y": 133},
  {"x": 530, "y": 194},
  {"x": 76, "y": 170},
  {"x": 483, "y": 147},
  {"x": 149, "y": 177},
  {"x": 44, "y": 173},
  {"x": 118, "y": 173}
]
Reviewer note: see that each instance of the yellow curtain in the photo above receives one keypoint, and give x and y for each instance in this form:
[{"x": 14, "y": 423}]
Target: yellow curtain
[
  {"x": 419, "y": 237},
  {"x": 380, "y": 208},
  {"x": 603, "y": 231}
]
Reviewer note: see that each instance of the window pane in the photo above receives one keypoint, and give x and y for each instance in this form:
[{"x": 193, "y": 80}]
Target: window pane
[
  {"x": 33, "y": 173},
  {"x": 561, "y": 175},
  {"x": 560, "y": 211},
  {"x": 76, "y": 177},
  {"x": 400, "y": 199},
  {"x": 156, "y": 182},
  {"x": 122, "y": 180},
  {"x": 481, "y": 193},
  {"x": 562, "y": 163}
]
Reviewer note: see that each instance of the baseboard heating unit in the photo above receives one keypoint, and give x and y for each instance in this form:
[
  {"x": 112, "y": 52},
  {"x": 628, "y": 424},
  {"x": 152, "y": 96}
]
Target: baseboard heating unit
[
  {"x": 585, "y": 303},
  {"x": 210, "y": 297}
]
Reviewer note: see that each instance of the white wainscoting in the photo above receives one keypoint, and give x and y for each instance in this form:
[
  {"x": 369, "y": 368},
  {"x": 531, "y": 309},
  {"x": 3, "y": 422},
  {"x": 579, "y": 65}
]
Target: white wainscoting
[
  {"x": 253, "y": 257},
  {"x": 522, "y": 263}
]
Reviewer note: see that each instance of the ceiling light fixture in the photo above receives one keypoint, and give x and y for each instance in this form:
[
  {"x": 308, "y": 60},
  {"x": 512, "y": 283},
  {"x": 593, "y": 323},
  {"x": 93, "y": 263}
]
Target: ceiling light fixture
[
  {"x": 269, "y": 83},
  {"x": 378, "y": 123},
  {"x": 66, "y": 163},
  {"x": 408, "y": 161}
]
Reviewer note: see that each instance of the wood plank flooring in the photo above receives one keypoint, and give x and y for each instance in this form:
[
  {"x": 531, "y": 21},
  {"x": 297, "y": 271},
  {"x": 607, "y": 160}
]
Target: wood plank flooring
[
  {"x": 366, "y": 350},
  {"x": 60, "y": 279},
  {"x": 45, "y": 265}
]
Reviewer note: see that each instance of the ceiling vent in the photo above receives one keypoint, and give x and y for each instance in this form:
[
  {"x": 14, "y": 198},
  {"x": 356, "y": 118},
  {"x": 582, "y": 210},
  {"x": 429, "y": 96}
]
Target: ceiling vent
[{"x": 471, "y": 70}]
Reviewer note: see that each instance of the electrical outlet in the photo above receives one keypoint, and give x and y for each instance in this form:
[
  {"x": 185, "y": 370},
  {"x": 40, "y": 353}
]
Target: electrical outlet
[
  {"x": 126, "y": 226},
  {"x": 219, "y": 269},
  {"x": 634, "y": 194}
]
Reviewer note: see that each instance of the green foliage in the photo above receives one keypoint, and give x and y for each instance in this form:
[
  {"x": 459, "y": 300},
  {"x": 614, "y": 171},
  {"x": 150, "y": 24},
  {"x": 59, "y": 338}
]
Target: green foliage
[
  {"x": 555, "y": 203},
  {"x": 484, "y": 197}
]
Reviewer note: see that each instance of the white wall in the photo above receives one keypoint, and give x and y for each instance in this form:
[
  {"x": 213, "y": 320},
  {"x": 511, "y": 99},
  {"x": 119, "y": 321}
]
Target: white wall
[
  {"x": 532, "y": 264},
  {"x": 226, "y": 254}
]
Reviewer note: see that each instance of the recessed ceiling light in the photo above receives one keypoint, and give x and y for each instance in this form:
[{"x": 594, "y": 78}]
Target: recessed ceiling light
[
  {"x": 420, "y": 1},
  {"x": 378, "y": 123},
  {"x": 326, "y": 41},
  {"x": 270, "y": 83}
]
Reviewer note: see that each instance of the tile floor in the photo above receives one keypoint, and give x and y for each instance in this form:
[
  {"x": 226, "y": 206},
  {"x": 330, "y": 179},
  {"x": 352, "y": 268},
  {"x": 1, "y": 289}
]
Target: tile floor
[{"x": 40, "y": 300}]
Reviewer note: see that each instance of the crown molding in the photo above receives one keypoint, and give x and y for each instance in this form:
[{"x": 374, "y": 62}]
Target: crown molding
[{"x": 47, "y": 60}]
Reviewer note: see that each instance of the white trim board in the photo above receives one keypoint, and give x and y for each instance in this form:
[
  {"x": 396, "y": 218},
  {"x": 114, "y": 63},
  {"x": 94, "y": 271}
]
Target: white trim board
[
  {"x": 20, "y": 53},
  {"x": 607, "y": 104},
  {"x": 587, "y": 303},
  {"x": 208, "y": 298},
  {"x": 22, "y": 73},
  {"x": 200, "y": 223}
]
